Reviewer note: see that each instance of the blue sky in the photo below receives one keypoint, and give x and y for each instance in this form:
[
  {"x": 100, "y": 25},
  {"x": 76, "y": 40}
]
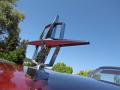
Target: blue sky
[{"x": 97, "y": 21}]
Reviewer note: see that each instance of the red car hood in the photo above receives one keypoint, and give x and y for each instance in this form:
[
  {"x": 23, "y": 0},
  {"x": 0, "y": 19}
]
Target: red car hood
[{"x": 12, "y": 77}]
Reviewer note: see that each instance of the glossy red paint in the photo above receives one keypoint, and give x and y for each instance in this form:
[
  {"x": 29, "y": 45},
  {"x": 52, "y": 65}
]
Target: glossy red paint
[
  {"x": 12, "y": 77},
  {"x": 54, "y": 43}
]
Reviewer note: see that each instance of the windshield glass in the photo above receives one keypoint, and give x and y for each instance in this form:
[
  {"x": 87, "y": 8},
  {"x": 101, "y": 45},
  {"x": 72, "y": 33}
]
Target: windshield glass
[{"x": 108, "y": 75}]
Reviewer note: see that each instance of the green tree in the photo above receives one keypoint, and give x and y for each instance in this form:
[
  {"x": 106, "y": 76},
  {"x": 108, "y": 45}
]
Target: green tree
[
  {"x": 2, "y": 43},
  {"x": 9, "y": 22},
  {"x": 10, "y": 18},
  {"x": 84, "y": 73},
  {"x": 61, "y": 67}
]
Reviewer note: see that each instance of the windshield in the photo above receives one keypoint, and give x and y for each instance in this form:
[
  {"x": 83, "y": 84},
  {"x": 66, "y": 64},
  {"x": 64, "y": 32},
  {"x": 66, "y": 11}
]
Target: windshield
[{"x": 107, "y": 75}]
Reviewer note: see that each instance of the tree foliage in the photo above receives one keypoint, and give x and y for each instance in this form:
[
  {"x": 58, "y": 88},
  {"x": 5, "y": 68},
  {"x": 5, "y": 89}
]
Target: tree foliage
[
  {"x": 9, "y": 22},
  {"x": 10, "y": 18},
  {"x": 61, "y": 67},
  {"x": 16, "y": 56},
  {"x": 84, "y": 73}
]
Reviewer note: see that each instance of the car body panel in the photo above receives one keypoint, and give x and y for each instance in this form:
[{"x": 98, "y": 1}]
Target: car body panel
[
  {"x": 59, "y": 81},
  {"x": 13, "y": 77}
]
